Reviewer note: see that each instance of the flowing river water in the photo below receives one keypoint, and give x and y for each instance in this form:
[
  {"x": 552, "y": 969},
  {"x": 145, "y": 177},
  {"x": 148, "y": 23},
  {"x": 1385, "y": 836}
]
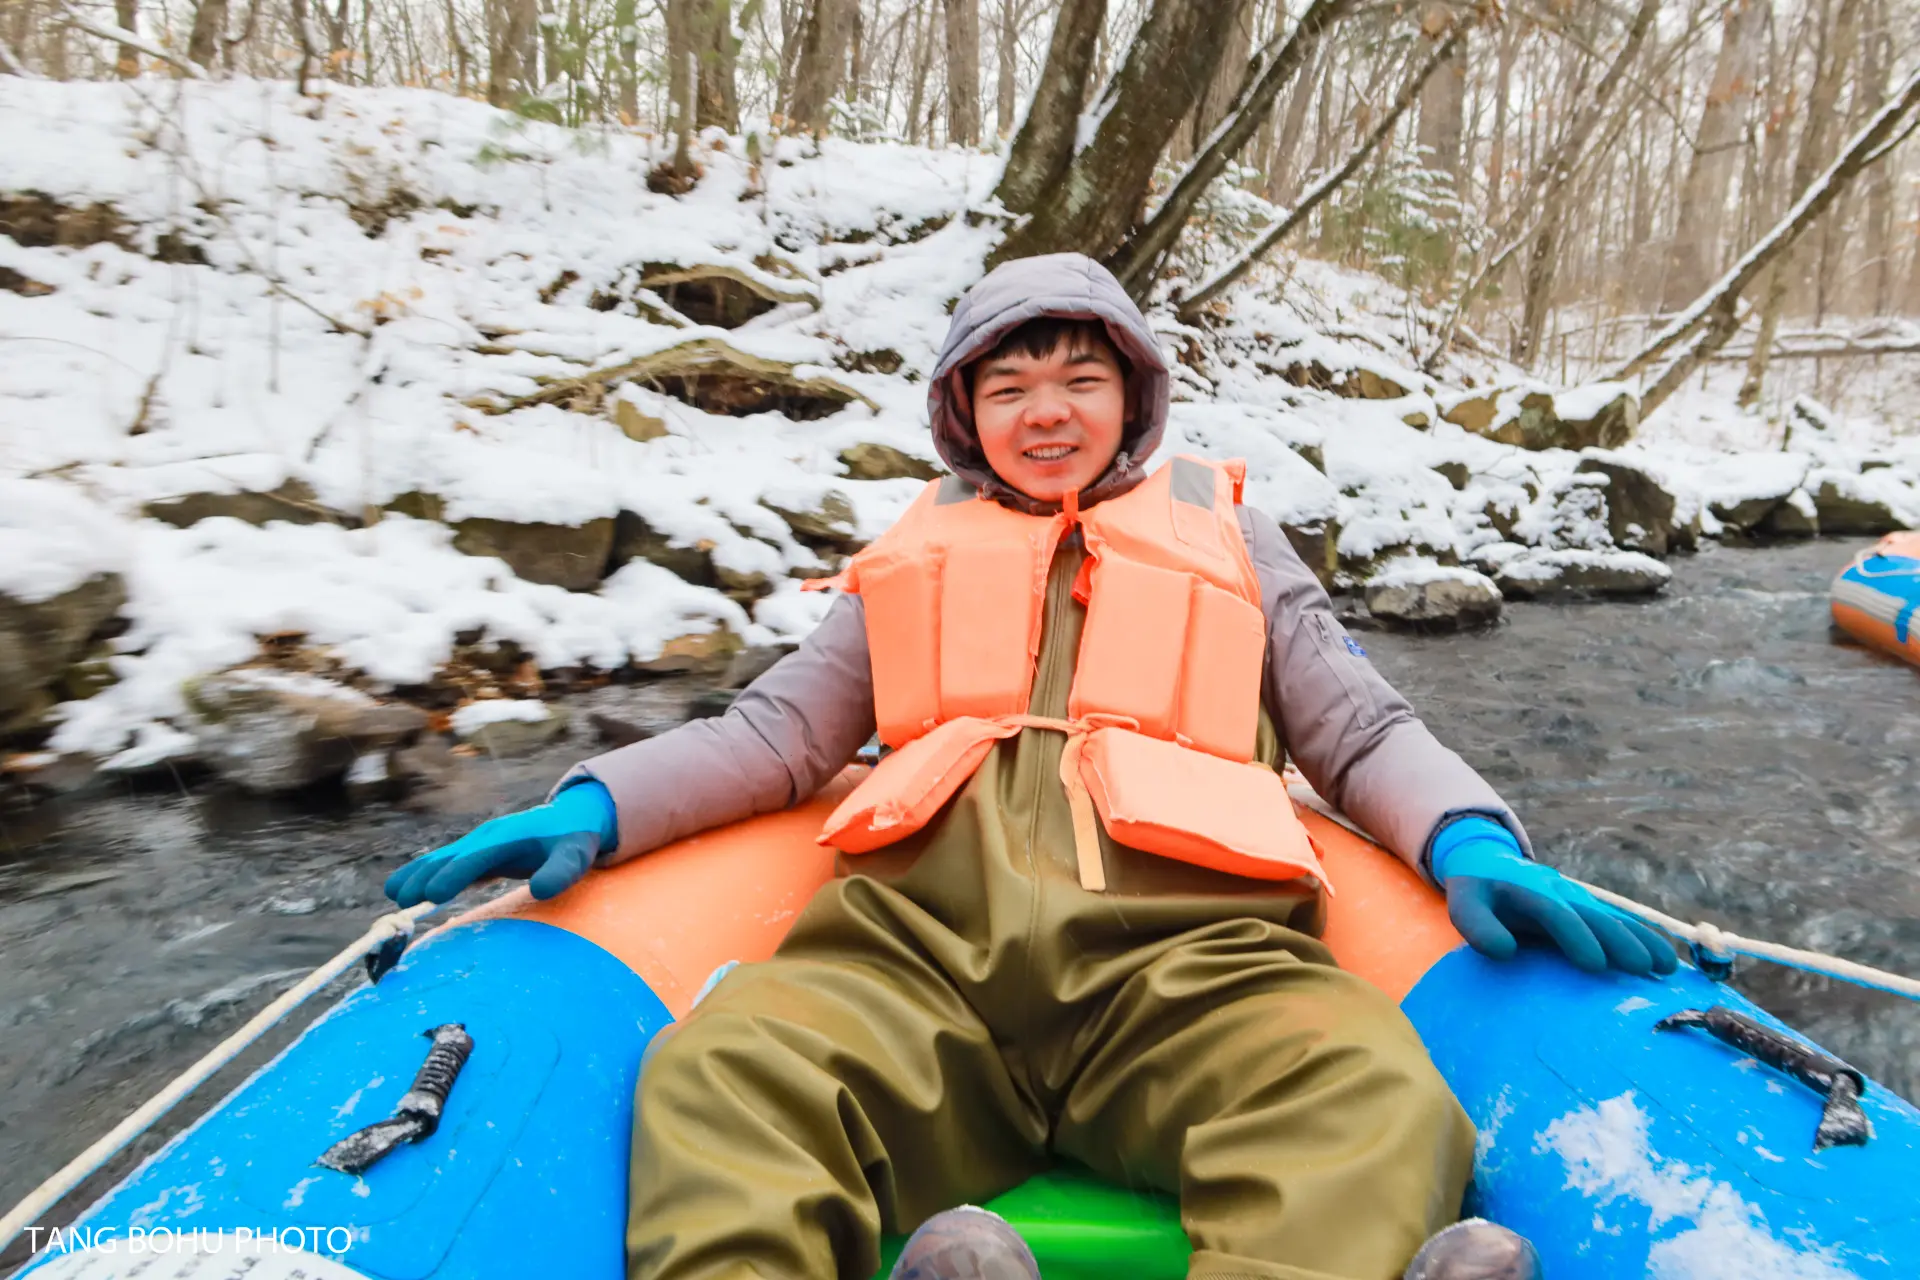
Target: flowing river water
[{"x": 1714, "y": 752}]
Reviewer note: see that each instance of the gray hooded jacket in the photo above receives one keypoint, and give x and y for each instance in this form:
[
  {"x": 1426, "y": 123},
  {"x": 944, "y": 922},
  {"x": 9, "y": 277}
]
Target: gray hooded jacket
[{"x": 793, "y": 729}]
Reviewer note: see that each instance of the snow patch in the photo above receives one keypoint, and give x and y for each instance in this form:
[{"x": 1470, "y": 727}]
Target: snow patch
[{"x": 1722, "y": 1235}]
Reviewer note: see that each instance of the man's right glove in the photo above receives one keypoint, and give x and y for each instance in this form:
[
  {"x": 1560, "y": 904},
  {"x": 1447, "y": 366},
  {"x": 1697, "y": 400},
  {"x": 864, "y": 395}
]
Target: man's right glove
[
  {"x": 551, "y": 844},
  {"x": 1495, "y": 891}
]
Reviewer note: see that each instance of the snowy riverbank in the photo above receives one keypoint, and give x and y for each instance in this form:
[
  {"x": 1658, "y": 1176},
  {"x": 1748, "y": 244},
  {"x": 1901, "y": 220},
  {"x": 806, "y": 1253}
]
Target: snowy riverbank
[{"x": 398, "y": 392}]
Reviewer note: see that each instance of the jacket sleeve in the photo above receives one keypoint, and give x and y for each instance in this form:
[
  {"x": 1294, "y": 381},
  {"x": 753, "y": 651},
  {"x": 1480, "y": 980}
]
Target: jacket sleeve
[
  {"x": 1353, "y": 736},
  {"x": 784, "y": 737}
]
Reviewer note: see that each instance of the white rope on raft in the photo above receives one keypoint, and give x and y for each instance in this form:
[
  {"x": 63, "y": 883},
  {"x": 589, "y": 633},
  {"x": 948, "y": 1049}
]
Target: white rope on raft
[
  {"x": 1714, "y": 942},
  {"x": 82, "y": 1166}
]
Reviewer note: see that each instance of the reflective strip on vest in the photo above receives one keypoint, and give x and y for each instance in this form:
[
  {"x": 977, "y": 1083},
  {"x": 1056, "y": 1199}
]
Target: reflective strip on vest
[{"x": 1164, "y": 707}]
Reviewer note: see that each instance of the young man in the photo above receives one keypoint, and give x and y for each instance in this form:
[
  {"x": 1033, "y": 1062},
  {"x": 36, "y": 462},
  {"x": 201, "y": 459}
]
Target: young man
[{"x": 1003, "y": 977}]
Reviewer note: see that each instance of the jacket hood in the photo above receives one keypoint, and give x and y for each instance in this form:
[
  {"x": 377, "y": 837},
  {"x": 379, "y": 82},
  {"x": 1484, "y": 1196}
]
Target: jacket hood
[{"x": 1055, "y": 284}]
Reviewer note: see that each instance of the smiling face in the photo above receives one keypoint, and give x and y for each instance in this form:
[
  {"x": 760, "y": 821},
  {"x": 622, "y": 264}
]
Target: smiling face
[{"x": 1049, "y": 424}]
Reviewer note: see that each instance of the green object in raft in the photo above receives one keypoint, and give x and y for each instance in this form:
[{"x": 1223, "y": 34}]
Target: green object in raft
[{"x": 1081, "y": 1228}]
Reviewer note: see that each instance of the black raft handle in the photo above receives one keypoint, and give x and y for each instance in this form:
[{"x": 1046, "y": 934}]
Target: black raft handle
[
  {"x": 418, "y": 1114},
  {"x": 1842, "y": 1123}
]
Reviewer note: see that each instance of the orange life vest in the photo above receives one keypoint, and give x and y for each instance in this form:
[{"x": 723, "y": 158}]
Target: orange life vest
[{"x": 1164, "y": 706}]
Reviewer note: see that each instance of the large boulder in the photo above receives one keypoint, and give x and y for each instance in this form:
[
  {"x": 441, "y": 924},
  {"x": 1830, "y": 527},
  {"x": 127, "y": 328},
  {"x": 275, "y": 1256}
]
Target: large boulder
[
  {"x": 41, "y": 640},
  {"x": 1570, "y": 514},
  {"x": 271, "y": 731},
  {"x": 708, "y": 653},
  {"x": 1640, "y": 509},
  {"x": 871, "y": 460},
  {"x": 1741, "y": 490},
  {"x": 508, "y": 726},
  {"x": 1794, "y": 516},
  {"x": 559, "y": 555},
  {"x": 699, "y": 561},
  {"x": 1604, "y": 416},
  {"x": 824, "y": 520},
  {"x": 1317, "y": 544},
  {"x": 1856, "y": 504},
  {"x": 1432, "y": 597},
  {"x": 1535, "y": 574}
]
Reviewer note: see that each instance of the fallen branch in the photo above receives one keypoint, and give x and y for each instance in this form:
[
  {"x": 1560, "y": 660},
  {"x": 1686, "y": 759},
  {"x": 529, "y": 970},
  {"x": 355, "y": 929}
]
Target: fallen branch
[
  {"x": 1839, "y": 352},
  {"x": 686, "y": 361},
  {"x": 1325, "y": 186},
  {"x": 122, "y": 36}
]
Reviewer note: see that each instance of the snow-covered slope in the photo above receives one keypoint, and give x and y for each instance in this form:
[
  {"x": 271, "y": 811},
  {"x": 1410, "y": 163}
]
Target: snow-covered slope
[{"x": 395, "y": 312}]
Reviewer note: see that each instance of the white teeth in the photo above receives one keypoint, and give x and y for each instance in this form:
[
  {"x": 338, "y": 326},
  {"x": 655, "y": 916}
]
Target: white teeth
[{"x": 1050, "y": 453}]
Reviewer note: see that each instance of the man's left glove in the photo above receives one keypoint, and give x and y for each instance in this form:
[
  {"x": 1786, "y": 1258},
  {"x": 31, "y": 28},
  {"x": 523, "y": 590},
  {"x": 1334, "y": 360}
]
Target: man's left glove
[
  {"x": 1495, "y": 891},
  {"x": 552, "y": 845}
]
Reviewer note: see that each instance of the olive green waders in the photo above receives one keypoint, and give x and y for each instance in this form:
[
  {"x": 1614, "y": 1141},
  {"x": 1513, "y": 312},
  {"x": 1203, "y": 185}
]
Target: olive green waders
[{"x": 941, "y": 1025}]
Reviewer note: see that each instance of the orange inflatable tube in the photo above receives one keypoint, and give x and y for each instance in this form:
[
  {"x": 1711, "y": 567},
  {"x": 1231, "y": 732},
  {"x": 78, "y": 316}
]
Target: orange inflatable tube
[{"x": 678, "y": 913}]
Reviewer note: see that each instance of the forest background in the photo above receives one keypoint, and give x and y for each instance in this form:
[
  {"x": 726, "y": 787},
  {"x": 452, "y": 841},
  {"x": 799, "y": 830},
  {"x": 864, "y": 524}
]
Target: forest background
[{"x": 1558, "y": 179}]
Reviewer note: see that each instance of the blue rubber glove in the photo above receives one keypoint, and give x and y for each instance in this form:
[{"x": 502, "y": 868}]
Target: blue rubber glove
[
  {"x": 1495, "y": 891},
  {"x": 552, "y": 844}
]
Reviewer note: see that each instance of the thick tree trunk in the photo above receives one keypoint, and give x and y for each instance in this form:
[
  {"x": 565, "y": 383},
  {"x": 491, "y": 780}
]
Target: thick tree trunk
[
  {"x": 963, "y": 71},
  {"x": 1095, "y": 203},
  {"x": 303, "y": 38},
  {"x": 1715, "y": 314},
  {"x": 1137, "y": 262},
  {"x": 1007, "y": 62},
  {"x": 1544, "y": 257},
  {"x": 209, "y": 27},
  {"x": 626, "y": 18},
  {"x": 822, "y": 65},
  {"x": 508, "y": 75},
  {"x": 1816, "y": 142},
  {"x": 1695, "y": 252},
  {"x": 1043, "y": 148},
  {"x": 1443, "y": 102},
  {"x": 1227, "y": 81},
  {"x": 717, "y": 97},
  {"x": 1326, "y": 184},
  {"x": 127, "y": 14},
  {"x": 682, "y": 83}
]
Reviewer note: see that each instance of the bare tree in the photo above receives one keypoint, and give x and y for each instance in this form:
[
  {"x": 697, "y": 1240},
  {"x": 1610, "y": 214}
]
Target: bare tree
[
  {"x": 1443, "y": 102},
  {"x": 716, "y": 96},
  {"x": 127, "y": 14},
  {"x": 963, "y": 71},
  {"x": 1695, "y": 247},
  {"x": 1715, "y": 315},
  {"x": 1006, "y": 85},
  {"x": 824, "y": 36},
  {"x": 1043, "y": 147},
  {"x": 209, "y": 28},
  {"x": 1327, "y": 184},
  {"x": 1136, "y": 264},
  {"x": 1095, "y": 202},
  {"x": 1543, "y": 260},
  {"x": 1816, "y": 141}
]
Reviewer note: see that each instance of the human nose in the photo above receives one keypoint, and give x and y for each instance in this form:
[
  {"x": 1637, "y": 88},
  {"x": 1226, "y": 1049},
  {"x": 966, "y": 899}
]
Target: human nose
[{"x": 1047, "y": 407}]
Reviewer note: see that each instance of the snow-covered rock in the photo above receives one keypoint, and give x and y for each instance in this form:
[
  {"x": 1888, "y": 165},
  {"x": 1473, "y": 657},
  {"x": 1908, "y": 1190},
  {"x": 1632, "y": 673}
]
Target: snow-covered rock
[
  {"x": 1433, "y": 597},
  {"x": 508, "y": 726},
  {"x": 1640, "y": 509},
  {"x": 271, "y": 731},
  {"x": 1528, "y": 573},
  {"x": 1872, "y": 503}
]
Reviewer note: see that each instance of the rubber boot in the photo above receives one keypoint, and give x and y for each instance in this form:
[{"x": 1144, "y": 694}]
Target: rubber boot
[
  {"x": 1475, "y": 1249},
  {"x": 966, "y": 1244}
]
